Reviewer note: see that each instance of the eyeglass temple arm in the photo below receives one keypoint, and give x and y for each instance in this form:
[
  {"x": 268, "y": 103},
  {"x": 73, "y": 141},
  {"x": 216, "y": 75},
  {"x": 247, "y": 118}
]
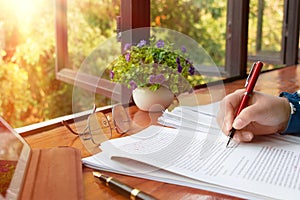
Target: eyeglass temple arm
[
  {"x": 69, "y": 128},
  {"x": 65, "y": 123},
  {"x": 94, "y": 109}
]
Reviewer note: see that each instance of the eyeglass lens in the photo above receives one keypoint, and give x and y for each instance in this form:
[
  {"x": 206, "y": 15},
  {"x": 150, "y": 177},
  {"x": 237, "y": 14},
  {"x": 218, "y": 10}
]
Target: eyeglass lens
[
  {"x": 99, "y": 128},
  {"x": 120, "y": 119}
]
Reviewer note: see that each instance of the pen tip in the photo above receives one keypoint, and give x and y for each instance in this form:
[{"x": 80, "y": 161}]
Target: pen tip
[{"x": 228, "y": 142}]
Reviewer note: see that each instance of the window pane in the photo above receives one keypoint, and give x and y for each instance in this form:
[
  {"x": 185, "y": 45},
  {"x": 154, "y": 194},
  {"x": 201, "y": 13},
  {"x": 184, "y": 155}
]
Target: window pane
[
  {"x": 91, "y": 43},
  {"x": 29, "y": 91},
  {"x": 203, "y": 21},
  {"x": 265, "y": 30},
  {"x": 90, "y": 23},
  {"x": 299, "y": 48}
]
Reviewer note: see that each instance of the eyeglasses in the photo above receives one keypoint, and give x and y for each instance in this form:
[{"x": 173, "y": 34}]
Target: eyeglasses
[{"x": 98, "y": 128}]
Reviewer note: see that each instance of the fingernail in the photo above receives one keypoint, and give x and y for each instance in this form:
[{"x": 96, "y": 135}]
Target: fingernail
[
  {"x": 237, "y": 123},
  {"x": 247, "y": 136},
  {"x": 236, "y": 138}
]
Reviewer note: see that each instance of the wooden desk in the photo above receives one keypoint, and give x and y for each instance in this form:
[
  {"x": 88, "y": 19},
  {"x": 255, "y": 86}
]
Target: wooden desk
[{"x": 272, "y": 82}]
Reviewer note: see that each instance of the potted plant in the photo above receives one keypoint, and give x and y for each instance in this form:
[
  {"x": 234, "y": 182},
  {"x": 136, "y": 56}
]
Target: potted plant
[{"x": 153, "y": 69}]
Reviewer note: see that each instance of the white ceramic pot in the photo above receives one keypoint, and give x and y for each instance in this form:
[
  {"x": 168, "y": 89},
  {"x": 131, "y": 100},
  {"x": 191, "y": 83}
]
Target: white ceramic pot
[{"x": 152, "y": 101}]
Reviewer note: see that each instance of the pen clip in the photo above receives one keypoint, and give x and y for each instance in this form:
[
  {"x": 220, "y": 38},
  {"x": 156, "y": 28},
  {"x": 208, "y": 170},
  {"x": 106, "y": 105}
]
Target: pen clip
[{"x": 250, "y": 74}]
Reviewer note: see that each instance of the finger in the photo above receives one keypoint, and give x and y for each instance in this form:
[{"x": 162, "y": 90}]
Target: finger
[
  {"x": 224, "y": 121},
  {"x": 243, "y": 136},
  {"x": 228, "y": 120},
  {"x": 228, "y": 108},
  {"x": 221, "y": 117},
  {"x": 233, "y": 100},
  {"x": 247, "y": 115}
]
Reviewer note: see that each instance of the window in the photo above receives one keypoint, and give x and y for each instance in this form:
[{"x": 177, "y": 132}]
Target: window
[
  {"x": 85, "y": 77},
  {"x": 204, "y": 22},
  {"x": 231, "y": 43},
  {"x": 135, "y": 14},
  {"x": 274, "y": 31},
  {"x": 234, "y": 32},
  {"x": 29, "y": 91},
  {"x": 266, "y": 23},
  {"x": 79, "y": 30}
]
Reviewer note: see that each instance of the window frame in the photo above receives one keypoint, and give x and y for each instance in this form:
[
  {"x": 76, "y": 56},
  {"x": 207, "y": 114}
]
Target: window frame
[
  {"x": 136, "y": 17},
  {"x": 236, "y": 38},
  {"x": 290, "y": 36},
  {"x": 291, "y": 32},
  {"x": 65, "y": 74}
]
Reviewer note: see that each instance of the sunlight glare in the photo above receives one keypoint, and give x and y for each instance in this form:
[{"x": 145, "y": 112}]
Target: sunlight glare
[
  {"x": 23, "y": 8},
  {"x": 22, "y": 13}
]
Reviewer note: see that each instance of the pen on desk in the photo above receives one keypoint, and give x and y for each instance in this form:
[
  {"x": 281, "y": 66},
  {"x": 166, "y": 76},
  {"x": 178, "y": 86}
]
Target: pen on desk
[
  {"x": 249, "y": 85},
  {"x": 122, "y": 188}
]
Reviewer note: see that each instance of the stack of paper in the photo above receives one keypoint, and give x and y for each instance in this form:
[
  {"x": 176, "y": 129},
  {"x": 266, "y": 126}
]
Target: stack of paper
[
  {"x": 195, "y": 118},
  {"x": 195, "y": 155}
]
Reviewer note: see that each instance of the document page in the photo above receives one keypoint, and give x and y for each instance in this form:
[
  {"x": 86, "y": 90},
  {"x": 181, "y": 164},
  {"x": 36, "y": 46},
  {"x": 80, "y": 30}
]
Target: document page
[
  {"x": 269, "y": 166},
  {"x": 102, "y": 162},
  {"x": 192, "y": 117}
]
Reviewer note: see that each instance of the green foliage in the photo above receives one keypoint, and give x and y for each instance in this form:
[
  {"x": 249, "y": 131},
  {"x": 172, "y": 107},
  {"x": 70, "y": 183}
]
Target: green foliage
[
  {"x": 202, "y": 20},
  {"x": 152, "y": 65},
  {"x": 30, "y": 92},
  {"x": 271, "y": 28},
  {"x": 15, "y": 95},
  {"x": 90, "y": 23}
]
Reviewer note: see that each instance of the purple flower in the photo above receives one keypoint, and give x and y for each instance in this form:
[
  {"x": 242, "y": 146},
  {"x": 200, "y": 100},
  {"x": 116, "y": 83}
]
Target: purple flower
[
  {"x": 192, "y": 70},
  {"x": 142, "y": 43},
  {"x": 157, "y": 79},
  {"x": 127, "y": 57},
  {"x": 133, "y": 85},
  {"x": 179, "y": 68},
  {"x": 160, "y": 79},
  {"x": 183, "y": 49},
  {"x": 152, "y": 79},
  {"x": 111, "y": 74},
  {"x": 160, "y": 44},
  {"x": 127, "y": 46},
  {"x": 178, "y": 60}
]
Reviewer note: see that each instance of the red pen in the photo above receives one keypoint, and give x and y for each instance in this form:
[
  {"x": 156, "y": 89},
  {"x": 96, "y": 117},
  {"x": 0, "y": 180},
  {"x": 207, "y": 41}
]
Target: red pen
[{"x": 249, "y": 85}]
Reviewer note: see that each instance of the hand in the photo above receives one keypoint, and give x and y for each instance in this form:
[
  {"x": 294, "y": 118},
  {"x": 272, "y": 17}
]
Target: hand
[{"x": 265, "y": 114}]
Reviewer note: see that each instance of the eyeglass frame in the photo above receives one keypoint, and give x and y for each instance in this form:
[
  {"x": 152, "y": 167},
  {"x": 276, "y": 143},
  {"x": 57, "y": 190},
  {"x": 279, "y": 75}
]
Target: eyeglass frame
[{"x": 87, "y": 130}]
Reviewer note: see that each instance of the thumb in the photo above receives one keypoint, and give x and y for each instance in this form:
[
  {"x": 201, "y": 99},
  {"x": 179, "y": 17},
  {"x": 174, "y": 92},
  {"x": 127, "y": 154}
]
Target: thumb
[
  {"x": 239, "y": 123},
  {"x": 245, "y": 117}
]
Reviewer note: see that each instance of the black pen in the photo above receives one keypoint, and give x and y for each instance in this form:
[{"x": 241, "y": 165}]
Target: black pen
[
  {"x": 250, "y": 83},
  {"x": 122, "y": 188}
]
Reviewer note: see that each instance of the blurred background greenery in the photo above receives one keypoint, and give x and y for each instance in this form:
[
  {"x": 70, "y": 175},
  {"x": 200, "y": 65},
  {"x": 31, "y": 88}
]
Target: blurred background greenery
[{"x": 29, "y": 91}]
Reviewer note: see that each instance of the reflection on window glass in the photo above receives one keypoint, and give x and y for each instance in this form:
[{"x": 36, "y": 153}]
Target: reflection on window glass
[
  {"x": 10, "y": 150},
  {"x": 203, "y": 21},
  {"x": 265, "y": 28}
]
